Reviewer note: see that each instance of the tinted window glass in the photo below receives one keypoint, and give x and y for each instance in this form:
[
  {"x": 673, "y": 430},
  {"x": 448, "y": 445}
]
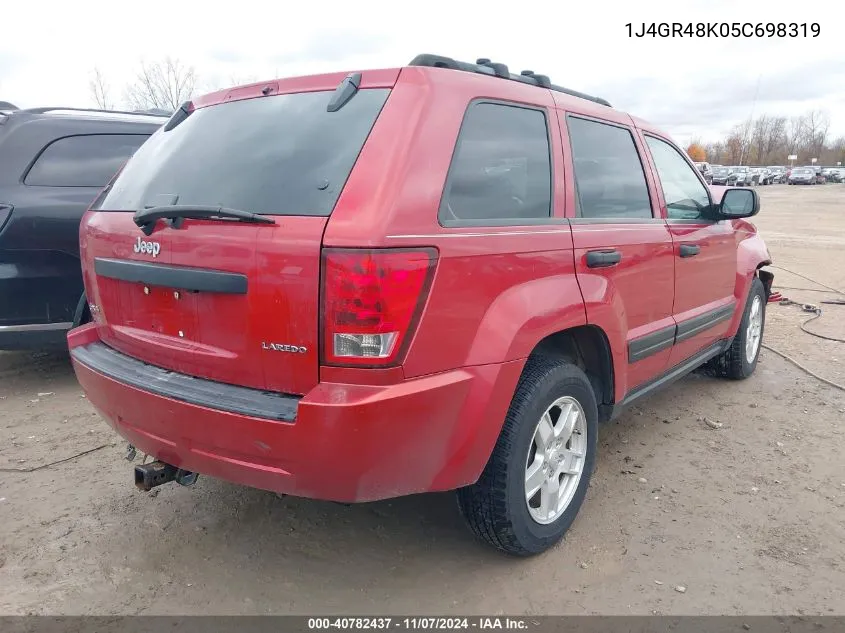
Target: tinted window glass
[
  {"x": 609, "y": 176},
  {"x": 685, "y": 196},
  {"x": 83, "y": 161},
  {"x": 501, "y": 168},
  {"x": 280, "y": 155}
]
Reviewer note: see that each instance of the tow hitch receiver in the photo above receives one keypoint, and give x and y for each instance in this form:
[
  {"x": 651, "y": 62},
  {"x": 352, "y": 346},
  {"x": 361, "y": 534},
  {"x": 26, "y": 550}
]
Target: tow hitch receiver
[{"x": 148, "y": 476}]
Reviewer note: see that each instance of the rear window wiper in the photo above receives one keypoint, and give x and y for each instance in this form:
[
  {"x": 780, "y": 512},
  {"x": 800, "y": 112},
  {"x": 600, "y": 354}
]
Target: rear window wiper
[{"x": 147, "y": 218}]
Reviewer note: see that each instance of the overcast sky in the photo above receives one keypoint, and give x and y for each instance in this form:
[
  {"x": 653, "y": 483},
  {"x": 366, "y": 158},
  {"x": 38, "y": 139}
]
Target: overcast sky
[{"x": 690, "y": 87}]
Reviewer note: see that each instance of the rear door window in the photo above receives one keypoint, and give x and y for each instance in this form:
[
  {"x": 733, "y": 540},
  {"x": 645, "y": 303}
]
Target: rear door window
[
  {"x": 501, "y": 168},
  {"x": 82, "y": 161},
  {"x": 609, "y": 177},
  {"x": 279, "y": 155}
]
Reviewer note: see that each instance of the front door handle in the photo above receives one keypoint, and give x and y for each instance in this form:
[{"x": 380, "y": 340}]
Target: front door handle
[
  {"x": 603, "y": 259},
  {"x": 690, "y": 250}
]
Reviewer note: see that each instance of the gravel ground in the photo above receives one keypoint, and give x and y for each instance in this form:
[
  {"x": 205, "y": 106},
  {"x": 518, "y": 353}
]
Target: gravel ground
[{"x": 681, "y": 518}]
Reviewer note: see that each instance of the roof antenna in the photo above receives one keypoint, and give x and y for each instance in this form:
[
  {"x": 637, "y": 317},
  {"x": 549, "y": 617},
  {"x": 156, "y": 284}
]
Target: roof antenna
[{"x": 345, "y": 90}]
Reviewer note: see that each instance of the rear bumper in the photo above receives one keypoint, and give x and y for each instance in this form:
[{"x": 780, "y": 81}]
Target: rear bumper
[{"x": 347, "y": 443}]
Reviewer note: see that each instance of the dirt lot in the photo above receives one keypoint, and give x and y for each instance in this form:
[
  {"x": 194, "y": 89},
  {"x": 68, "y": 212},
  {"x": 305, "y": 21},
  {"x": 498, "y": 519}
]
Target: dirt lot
[{"x": 748, "y": 518}]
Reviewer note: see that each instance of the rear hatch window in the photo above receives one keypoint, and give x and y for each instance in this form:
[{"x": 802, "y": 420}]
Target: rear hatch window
[
  {"x": 280, "y": 155},
  {"x": 167, "y": 298}
]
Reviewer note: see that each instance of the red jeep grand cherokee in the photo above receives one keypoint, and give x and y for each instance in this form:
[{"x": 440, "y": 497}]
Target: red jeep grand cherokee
[{"x": 354, "y": 287}]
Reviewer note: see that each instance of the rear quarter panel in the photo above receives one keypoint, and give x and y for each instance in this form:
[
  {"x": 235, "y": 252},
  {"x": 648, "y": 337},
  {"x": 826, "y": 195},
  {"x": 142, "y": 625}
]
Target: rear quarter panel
[
  {"x": 494, "y": 308},
  {"x": 497, "y": 290}
]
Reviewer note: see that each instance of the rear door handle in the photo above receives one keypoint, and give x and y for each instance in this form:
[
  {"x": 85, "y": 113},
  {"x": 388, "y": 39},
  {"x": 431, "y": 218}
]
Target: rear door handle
[
  {"x": 690, "y": 250},
  {"x": 603, "y": 259}
]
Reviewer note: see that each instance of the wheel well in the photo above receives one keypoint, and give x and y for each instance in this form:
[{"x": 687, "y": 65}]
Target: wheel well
[
  {"x": 587, "y": 347},
  {"x": 766, "y": 277}
]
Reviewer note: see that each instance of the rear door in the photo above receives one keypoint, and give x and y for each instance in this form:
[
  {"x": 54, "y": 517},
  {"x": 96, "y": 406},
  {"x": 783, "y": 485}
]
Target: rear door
[
  {"x": 221, "y": 299},
  {"x": 623, "y": 250},
  {"x": 704, "y": 251}
]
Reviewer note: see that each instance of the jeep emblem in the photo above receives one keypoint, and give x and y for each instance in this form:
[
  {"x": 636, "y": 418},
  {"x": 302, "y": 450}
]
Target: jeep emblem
[{"x": 150, "y": 248}]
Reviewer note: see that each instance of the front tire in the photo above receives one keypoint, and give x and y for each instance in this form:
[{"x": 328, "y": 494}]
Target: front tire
[
  {"x": 740, "y": 360},
  {"x": 538, "y": 473}
]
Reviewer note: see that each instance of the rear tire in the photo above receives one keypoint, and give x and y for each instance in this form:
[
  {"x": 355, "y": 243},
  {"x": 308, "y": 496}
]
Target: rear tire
[
  {"x": 82, "y": 314},
  {"x": 740, "y": 360},
  {"x": 500, "y": 508}
]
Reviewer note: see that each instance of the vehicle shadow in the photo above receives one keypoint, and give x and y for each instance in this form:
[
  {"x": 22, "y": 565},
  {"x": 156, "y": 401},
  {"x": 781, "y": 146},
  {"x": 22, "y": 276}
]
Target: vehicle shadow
[
  {"x": 25, "y": 364},
  {"x": 291, "y": 554},
  {"x": 222, "y": 548}
]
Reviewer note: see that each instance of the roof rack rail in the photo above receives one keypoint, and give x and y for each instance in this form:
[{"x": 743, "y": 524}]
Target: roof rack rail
[
  {"x": 151, "y": 112},
  {"x": 483, "y": 66}
]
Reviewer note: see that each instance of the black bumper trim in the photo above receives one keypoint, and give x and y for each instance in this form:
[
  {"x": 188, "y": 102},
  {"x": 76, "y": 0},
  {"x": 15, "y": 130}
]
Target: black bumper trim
[
  {"x": 181, "y": 277},
  {"x": 221, "y": 396}
]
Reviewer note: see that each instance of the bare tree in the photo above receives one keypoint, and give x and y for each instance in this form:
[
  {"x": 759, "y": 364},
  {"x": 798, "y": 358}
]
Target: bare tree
[
  {"x": 759, "y": 134},
  {"x": 816, "y": 125},
  {"x": 734, "y": 146},
  {"x": 165, "y": 84},
  {"x": 775, "y": 138},
  {"x": 715, "y": 151},
  {"x": 743, "y": 132},
  {"x": 768, "y": 140},
  {"x": 794, "y": 134},
  {"x": 100, "y": 90},
  {"x": 837, "y": 150}
]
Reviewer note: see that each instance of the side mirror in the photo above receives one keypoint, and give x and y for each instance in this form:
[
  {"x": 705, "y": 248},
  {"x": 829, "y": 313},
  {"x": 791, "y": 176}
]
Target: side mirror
[{"x": 738, "y": 203}]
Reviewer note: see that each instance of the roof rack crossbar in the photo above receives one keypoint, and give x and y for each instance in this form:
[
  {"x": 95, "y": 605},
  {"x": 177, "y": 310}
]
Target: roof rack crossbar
[
  {"x": 45, "y": 110},
  {"x": 500, "y": 70},
  {"x": 483, "y": 66},
  {"x": 542, "y": 80}
]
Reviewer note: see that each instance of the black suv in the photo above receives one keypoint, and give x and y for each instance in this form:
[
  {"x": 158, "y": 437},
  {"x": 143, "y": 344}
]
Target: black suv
[{"x": 53, "y": 163}]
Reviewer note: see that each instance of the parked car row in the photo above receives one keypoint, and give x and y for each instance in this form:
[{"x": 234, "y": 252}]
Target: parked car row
[
  {"x": 834, "y": 174},
  {"x": 805, "y": 176},
  {"x": 746, "y": 176},
  {"x": 814, "y": 175},
  {"x": 778, "y": 174},
  {"x": 706, "y": 171}
]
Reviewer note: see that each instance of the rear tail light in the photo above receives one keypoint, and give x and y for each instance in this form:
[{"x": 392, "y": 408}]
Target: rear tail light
[{"x": 372, "y": 300}]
